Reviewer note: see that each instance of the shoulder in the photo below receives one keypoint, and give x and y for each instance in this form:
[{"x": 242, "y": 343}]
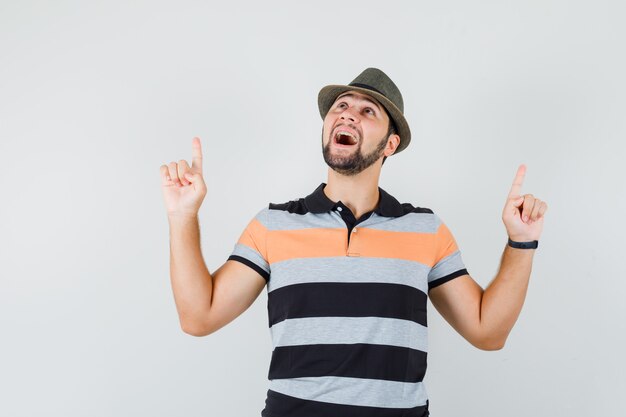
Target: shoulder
[
  {"x": 410, "y": 208},
  {"x": 292, "y": 206},
  {"x": 421, "y": 219}
]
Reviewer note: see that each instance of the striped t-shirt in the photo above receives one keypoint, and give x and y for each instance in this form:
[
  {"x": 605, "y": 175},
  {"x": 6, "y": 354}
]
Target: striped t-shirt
[{"x": 347, "y": 303}]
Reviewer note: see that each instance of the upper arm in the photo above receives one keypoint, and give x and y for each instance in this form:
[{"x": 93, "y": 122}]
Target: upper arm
[
  {"x": 235, "y": 287},
  {"x": 458, "y": 301},
  {"x": 238, "y": 282},
  {"x": 453, "y": 292}
]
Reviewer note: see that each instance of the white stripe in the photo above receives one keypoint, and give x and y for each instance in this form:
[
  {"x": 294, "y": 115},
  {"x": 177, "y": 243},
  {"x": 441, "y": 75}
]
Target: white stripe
[
  {"x": 354, "y": 391},
  {"x": 350, "y": 330},
  {"x": 349, "y": 269}
]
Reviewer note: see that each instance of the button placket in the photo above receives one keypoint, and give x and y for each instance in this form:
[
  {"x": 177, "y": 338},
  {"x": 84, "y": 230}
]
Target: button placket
[
  {"x": 353, "y": 243},
  {"x": 349, "y": 222}
]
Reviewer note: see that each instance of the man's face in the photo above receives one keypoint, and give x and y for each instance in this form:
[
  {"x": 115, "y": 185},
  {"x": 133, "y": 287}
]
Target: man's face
[{"x": 364, "y": 123}]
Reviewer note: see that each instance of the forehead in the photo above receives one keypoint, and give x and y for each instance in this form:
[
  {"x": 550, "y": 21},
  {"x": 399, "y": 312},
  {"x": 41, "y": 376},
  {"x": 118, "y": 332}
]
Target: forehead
[{"x": 359, "y": 96}]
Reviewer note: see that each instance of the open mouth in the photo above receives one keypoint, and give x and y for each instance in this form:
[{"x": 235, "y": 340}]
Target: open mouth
[{"x": 345, "y": 139}]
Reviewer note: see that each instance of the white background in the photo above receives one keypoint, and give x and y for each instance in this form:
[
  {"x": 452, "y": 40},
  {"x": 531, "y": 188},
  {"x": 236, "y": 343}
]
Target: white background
[{"x": 94, "y": 97}]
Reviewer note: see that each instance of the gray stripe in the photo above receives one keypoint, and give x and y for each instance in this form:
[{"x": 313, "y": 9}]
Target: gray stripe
[
  {"x": 350, "y": 330},
  {"x": 263, "y": 217},
  {"x": 348, "y": 269},
  {"x": 447, "y": 265},
  {"x": 411, "y": 222},
  {"x": 283, "y": 220},
  {"x": 251, "y": 255},
  {"x": 353, "y": 391}
]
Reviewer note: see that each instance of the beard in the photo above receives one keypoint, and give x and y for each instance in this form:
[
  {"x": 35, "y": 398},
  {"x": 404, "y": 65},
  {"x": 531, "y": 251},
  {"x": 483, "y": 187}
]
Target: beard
[{"x": 352, "y": 162}]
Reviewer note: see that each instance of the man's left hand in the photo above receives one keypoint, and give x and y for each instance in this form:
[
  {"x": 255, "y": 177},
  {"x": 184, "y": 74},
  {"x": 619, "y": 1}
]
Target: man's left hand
[{"x": 523, "y": 214}]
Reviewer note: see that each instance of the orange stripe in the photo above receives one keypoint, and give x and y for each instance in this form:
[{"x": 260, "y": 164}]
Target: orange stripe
[
  {"x": 307, "y": 243},
  {"x": 254, "y": 236},
  {"x": 324, "y": 242},
  {"x": 447, "y": 244},
  {"x": 410, "y": 246}
]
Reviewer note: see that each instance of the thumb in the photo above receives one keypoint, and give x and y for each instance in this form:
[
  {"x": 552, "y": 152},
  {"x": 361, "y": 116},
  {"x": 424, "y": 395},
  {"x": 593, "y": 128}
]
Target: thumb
[{"x": 518, "y": 201}]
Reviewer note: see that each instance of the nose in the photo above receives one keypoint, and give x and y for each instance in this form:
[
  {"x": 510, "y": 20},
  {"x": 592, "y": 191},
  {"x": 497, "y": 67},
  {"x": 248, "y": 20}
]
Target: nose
[{"x": 349, "y": 115}]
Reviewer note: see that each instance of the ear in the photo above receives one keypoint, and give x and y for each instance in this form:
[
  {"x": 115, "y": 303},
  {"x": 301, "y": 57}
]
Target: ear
[{"x": 392, "y": 144}]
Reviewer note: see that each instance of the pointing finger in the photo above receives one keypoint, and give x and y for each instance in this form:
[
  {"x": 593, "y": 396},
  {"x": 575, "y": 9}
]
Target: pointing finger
[
  {"x": 516, "y": 188},
  {"x": 196, "y": 160}
]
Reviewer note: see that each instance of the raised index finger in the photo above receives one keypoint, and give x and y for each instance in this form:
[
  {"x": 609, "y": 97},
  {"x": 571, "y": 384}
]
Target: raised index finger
[
  {"x": 516, "y": 188},
  {"x": 196, "y": 155}
]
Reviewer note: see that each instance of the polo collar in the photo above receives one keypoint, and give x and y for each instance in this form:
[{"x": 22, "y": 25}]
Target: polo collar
[{"x": 318, "y": 202}]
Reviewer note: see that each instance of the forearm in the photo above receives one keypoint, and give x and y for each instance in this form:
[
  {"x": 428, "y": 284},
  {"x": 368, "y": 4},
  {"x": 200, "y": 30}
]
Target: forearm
[
  {"x": 191, "y": 281},
  {"x": 503, "y": 299}
]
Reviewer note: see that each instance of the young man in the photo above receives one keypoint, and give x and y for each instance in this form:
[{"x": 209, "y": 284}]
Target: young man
[{"x": 348, "y": 269}]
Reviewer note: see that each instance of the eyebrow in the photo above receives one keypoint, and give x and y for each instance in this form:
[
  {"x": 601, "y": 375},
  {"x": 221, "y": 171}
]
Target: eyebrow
[{"x": 362, "y": 99}]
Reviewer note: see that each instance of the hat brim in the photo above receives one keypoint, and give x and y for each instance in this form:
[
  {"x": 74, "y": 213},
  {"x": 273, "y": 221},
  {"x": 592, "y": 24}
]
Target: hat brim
[{"x": 328, "y": 94}]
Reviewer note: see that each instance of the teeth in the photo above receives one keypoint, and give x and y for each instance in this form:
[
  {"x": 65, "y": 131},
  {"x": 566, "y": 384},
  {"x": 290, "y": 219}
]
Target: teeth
[{"x": 343, "y": 132}]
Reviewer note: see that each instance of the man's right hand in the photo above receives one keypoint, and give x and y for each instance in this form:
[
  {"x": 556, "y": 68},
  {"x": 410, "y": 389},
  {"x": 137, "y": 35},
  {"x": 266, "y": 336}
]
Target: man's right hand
[{"x": 183, "y": 187}]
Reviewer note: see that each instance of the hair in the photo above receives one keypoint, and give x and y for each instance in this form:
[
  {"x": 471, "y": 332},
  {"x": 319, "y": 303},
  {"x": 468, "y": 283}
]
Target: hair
[{"x": 390, "y": 131}]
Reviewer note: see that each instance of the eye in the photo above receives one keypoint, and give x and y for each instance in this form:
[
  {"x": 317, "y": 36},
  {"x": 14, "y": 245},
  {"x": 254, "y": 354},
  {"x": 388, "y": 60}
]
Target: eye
[{"x": 343, "y": 103}]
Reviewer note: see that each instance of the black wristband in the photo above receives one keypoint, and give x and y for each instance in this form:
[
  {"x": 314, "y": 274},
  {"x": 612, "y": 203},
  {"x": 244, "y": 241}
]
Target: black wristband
[{"x": 533, "y": 244}]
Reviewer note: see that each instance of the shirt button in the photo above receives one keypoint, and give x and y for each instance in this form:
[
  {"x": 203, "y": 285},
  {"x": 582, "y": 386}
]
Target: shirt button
[{"x": 338, "y": 208}]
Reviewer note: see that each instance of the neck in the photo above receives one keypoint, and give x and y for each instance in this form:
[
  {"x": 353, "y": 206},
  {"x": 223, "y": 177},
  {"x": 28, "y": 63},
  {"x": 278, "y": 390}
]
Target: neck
[{"x": 358, "y": 192}]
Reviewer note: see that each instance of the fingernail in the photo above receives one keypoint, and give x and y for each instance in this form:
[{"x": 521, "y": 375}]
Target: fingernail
[{"x": 525, "y": 219}]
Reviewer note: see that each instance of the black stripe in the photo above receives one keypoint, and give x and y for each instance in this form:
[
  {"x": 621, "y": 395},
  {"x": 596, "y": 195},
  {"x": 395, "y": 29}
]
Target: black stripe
[
  {"x": 386, "y": 207},
  {"x": 251, "y": 264},
  {"x": 368, "y": 87},
  {"x": 278, "y": 404},
  {"x": 351, "y": 360},
  {"x": 409, "y": 208},
  {"x": 446, "y": 278},
  {"x": 347, "y": 299},
  {"x": 295, "y": 206}
]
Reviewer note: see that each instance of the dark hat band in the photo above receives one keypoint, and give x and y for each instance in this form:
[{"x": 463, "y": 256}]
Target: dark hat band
[{"x": 369, "y": 87}]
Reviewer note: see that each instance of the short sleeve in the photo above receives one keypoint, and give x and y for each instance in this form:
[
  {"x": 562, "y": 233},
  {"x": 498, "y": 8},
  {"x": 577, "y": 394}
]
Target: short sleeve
[
  {"x": 448, "y": 263},
  {"x": 251, "y": 248}
]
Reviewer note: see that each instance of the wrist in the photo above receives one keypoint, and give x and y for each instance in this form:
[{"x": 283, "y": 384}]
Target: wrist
[
  {"x": 523, "y": 244},
  {"x": 181, "y": 217}
]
